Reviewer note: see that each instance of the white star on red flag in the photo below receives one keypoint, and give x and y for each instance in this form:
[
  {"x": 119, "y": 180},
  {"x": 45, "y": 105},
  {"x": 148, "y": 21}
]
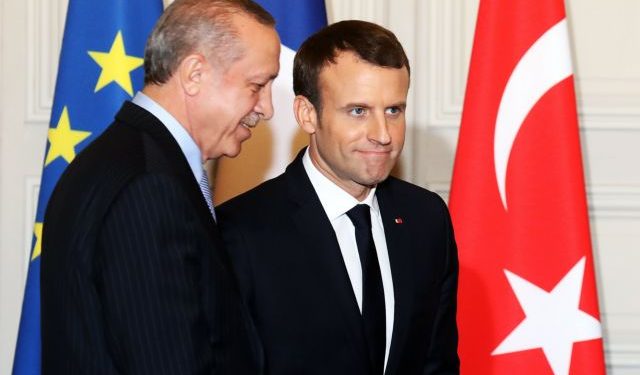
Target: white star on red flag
[{"x": 553, "y": 320}]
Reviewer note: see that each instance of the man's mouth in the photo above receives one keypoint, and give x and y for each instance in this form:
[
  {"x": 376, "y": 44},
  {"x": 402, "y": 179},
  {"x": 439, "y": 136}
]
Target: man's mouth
[
  {"x": 375, "y": 153},
  {"x": 250, "y": 121}
]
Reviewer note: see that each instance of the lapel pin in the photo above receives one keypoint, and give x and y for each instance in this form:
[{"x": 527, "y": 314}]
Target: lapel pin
[{"x": 398, "y": 220}]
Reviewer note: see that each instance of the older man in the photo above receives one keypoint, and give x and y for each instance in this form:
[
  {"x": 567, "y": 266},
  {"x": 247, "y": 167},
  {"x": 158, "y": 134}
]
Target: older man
[{"x": 134, "y": 277}]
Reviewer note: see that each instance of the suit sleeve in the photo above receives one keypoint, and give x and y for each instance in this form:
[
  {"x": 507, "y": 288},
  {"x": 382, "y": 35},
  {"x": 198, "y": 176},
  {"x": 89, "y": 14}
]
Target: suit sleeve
[
  {"x": 148, "y": 280},
  {"x": 443, "y": 354}
]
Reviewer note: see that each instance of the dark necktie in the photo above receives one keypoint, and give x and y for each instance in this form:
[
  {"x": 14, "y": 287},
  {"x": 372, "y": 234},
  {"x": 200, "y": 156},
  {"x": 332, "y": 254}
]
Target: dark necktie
[{"x": 373, "y": 311}]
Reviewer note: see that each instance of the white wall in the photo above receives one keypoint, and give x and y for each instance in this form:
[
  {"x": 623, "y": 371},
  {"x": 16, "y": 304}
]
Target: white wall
[{"x": 437, "y": 35}]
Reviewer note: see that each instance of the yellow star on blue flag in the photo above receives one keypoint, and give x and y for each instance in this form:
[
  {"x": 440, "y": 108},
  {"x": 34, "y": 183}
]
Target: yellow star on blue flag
[
  {"x": 93, "y": 56},
  {"x": 63, "y": 140},
  {"x": 116, "y": 65},
  {"x": 37, "y": 247}
]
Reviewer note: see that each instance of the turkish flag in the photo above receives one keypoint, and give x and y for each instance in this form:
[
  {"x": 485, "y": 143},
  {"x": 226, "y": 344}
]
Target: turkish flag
[{"x": 527, "y": 295}]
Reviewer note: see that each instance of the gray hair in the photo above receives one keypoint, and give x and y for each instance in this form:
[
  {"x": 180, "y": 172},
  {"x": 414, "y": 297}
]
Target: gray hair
[{"x": 204, "y": 26}]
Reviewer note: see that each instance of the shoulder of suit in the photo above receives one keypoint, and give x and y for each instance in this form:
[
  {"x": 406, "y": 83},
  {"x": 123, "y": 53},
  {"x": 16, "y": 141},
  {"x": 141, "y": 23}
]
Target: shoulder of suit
[
  {"x": 116, "y": 157},
  {"x": 397, "y": 185},
  {"x": 117, "y": 150},
  {"x": 413, "y": 197},
  {"x": 266, "y": 197}
]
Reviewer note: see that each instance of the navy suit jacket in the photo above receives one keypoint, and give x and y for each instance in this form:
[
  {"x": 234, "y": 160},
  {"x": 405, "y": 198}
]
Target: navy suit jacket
[
  {"x": 293, "y": 277},
  {"x": 134, "y": 278}
]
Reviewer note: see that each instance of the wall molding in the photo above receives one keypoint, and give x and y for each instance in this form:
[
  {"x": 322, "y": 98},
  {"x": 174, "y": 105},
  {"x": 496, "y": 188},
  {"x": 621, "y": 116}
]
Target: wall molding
[
  {"x": 368, "y": 10},
  {"x": 452, "y": 26},
  {"x": 45, "y": 27},
  {"x": 623, "y": 353},
  {"x": 610, "y": 201},
  {"x": 621, "y": 356},
  {"x": 604, "y": 103},
  {"x": 609, "y": 95}
]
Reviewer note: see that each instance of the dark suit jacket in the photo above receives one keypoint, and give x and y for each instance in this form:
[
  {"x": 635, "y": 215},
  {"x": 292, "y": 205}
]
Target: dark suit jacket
[
  {"x": 293, "y": 277},
  {"x": 134, "y": 279}
]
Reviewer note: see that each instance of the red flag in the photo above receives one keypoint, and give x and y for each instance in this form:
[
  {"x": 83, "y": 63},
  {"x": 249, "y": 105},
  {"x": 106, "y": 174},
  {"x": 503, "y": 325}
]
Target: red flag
[{"x": 527, "y": 297}]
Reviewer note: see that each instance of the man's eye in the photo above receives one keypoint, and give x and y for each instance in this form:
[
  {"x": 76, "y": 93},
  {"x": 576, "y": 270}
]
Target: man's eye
[
  {"x": 357, "y": 111},
  {"x": 394, "y": 110},
  {"x": 258, "y": 86}
]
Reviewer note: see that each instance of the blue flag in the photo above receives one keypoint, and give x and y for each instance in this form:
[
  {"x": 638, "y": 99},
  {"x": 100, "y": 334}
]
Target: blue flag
[
  {"x": 296, "y": 20},
  {"x": 100, "y": 67},
  {"x": 279, "y": 142}
]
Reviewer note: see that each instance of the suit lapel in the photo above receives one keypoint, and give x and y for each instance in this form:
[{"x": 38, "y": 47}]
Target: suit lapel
[
  {"x": 172, "y": 156},
  {"x": 399, "y": 249},
  {"x": 172, "y": 160},
  {"x": 324, "y": 252}
]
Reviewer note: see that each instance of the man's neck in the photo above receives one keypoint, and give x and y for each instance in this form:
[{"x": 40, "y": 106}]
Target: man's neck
[{"x": 358, "y": 191}]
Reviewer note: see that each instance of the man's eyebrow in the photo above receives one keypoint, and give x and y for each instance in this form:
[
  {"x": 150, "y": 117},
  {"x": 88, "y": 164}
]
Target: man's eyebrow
[
  {"x": 402, "y": 104},
  {"x": 356, "y": 104}
]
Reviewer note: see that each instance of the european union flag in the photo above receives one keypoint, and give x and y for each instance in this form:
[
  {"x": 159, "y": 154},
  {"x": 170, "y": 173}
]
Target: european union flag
[{"x": 100, "y": 67}]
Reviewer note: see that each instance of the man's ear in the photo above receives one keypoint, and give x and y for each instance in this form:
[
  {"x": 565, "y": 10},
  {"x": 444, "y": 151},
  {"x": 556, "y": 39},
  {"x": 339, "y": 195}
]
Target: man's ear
[
  {"x": 190, "y": 72},
  {"x": 306, "y": 114}
]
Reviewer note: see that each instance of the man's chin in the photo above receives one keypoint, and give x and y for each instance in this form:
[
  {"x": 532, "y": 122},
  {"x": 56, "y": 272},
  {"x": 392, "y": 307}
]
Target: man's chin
[
  {"x": 372, "y": 181},
  {"x": 233, "y": 154},
  {"x": 377, "y": 176},
  {"x": 233, "y": 151}
]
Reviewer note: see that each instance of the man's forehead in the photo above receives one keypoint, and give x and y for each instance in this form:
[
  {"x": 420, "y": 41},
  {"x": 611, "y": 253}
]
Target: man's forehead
[
  {"x": 349, "y": 60},
  {"x": 349, "y": 68}
]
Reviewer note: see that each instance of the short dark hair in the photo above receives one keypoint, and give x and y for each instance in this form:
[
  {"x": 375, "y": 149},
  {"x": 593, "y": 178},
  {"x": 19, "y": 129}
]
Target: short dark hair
[
  {"x": 188, "y": 26},
  {"x": 370, "y": 42}
]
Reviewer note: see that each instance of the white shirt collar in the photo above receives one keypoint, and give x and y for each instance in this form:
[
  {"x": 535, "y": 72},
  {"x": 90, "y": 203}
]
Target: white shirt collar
[
  {"x": 334, "y": 199},
  {"x": 187, "y": 144}
]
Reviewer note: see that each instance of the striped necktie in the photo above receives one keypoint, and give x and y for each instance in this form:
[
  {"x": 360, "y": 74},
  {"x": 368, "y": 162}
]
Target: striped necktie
[{"x": 206, "y": 191}]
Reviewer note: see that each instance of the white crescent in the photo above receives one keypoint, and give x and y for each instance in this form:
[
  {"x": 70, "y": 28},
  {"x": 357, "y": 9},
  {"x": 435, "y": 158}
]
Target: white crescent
[{"x": 544, "y": 65}]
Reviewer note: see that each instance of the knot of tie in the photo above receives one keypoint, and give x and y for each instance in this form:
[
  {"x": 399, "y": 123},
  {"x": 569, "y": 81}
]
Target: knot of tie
[{"x": 360, "y": 216}]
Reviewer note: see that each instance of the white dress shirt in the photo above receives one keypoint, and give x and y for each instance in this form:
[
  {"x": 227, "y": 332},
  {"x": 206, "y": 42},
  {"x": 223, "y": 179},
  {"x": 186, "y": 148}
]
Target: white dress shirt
[{"x": 336, "y": 202}]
